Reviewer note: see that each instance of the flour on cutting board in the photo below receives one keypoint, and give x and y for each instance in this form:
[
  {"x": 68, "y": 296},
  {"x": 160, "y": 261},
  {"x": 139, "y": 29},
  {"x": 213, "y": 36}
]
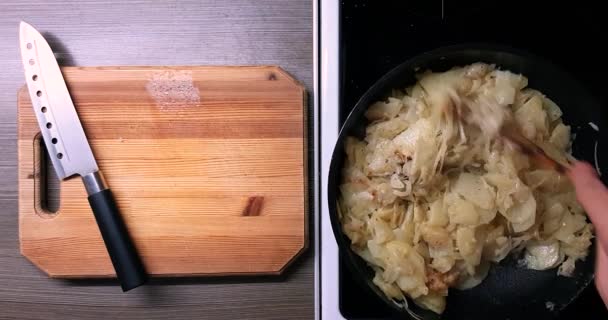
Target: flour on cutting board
[{"x": 173, "y": 90}]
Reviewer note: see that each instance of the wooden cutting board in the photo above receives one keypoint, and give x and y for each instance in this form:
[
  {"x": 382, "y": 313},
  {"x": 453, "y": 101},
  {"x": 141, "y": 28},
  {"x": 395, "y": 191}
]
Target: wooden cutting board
[{"x": 208, "y": 166}]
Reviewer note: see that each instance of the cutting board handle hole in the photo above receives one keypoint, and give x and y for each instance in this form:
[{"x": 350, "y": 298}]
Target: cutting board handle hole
[{"x": 48, "y": 185}]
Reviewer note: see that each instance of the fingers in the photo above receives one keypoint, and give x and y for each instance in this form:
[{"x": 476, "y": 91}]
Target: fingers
[
  {"x": 601, "y": 273},
  {"x": 593, "y": 196},
  {"x": 589, "y": 188}
]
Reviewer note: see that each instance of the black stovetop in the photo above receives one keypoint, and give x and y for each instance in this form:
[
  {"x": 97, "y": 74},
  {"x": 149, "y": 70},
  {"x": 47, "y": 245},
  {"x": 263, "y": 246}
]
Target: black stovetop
[{"x": 376, "y": 36}]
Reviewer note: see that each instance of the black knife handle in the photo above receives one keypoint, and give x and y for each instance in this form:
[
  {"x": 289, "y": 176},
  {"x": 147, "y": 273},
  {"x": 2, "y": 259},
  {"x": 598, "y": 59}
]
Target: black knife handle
[{"x": 127, "y": 264}]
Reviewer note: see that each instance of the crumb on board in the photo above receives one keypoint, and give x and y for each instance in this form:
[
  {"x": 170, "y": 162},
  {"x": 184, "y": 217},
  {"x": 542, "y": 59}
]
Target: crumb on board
[
  {"x": 550, "y": 305},
  {"x": 253, "y": 207},
  {"x": 173, "y": 90}
]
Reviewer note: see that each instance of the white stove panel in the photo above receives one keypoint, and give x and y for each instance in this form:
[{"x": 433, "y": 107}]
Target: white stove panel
[{"x": 329, "y": 127}]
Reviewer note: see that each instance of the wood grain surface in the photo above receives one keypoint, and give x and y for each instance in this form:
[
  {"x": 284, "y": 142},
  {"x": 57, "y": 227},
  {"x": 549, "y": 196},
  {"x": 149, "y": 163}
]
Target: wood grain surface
[
  {"x": 207, "y": 165},
  {"x": 111, "y": 32}
]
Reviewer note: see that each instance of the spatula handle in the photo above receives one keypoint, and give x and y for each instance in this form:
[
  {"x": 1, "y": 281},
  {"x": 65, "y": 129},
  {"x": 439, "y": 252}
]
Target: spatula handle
[{"x": 127, "y": 264}]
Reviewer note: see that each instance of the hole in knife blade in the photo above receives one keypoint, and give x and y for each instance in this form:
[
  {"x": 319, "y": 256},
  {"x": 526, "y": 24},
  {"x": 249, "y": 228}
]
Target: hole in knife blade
[
  {"x": 49, "y": 182},
  {"x": 43, "y": 109},
  {"x": 39, "y": 93},
  {"x": 49, "y": 125},
  {"x": 29, "y": 46},
  {"x": 59, "y": 155},
  {"x": 54, "y": 141},
  {"x": 32, "y": 62},
  {"x": 35, "y": 77}
]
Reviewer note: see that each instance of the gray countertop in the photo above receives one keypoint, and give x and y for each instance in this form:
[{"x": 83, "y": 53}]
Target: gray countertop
[{"x": 114, "y": 32}]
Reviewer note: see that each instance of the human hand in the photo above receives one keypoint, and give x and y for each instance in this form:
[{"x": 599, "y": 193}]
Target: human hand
[{"x": 593, "y": 196}]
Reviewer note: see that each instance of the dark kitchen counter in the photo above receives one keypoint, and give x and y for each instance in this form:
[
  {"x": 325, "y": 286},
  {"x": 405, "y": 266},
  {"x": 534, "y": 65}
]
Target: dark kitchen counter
[{"x": 114, "y": 32}]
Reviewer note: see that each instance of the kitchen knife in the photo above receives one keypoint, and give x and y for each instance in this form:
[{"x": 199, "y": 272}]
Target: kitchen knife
[{"x": 71, "y": 154}]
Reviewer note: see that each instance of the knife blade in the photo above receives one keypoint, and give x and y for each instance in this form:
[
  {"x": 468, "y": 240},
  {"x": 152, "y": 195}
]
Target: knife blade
[{"x": 71, "y": 154}]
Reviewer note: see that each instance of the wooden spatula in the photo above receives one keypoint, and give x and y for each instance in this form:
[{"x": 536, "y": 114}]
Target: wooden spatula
[{"x": 510, "y": 132}]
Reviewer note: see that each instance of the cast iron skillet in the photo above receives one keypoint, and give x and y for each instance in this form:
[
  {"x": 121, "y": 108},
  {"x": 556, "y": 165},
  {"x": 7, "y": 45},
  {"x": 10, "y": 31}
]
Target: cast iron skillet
[{"x": 509, "y": 292}]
